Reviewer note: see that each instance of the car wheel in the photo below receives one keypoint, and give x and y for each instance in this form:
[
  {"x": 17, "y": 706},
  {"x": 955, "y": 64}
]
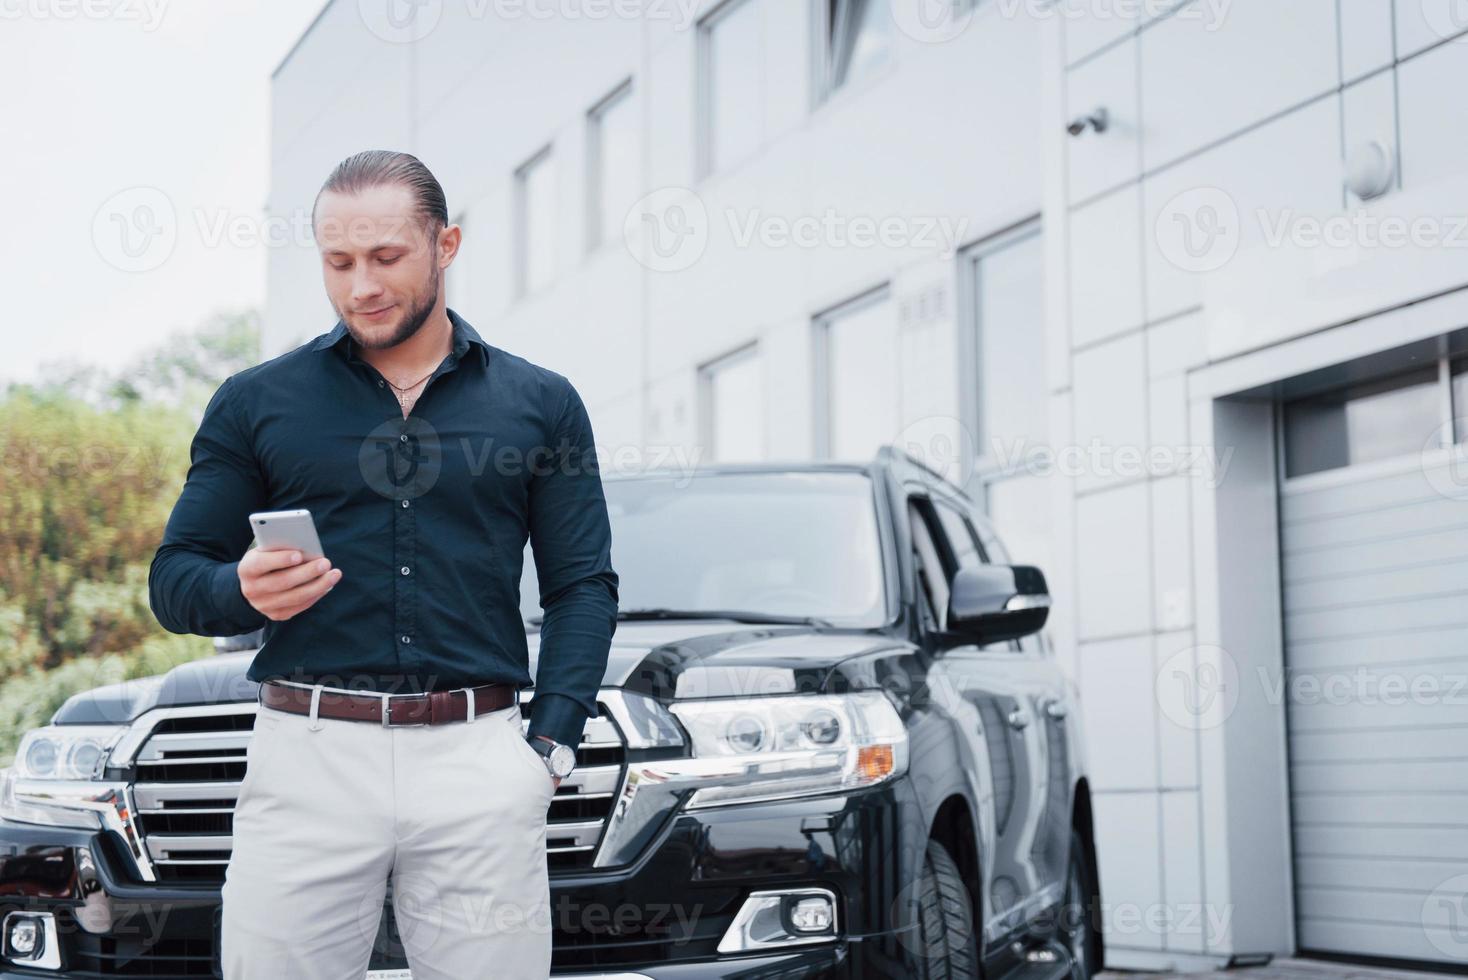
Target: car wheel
[
  {"x": 1079, "y": 930},
  {"x": 945, "y": 920}
]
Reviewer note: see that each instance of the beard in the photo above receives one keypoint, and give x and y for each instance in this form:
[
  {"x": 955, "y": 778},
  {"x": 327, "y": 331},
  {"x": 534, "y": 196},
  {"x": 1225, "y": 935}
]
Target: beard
[{"x": 413, "y": 320}]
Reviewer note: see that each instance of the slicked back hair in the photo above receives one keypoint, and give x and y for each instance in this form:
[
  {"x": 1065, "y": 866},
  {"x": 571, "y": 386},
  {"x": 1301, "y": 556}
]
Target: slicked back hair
[{"x": 380, "y": 168}]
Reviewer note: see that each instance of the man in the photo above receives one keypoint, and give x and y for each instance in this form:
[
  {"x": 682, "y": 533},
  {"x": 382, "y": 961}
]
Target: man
[{"x": 426, "y": 457}]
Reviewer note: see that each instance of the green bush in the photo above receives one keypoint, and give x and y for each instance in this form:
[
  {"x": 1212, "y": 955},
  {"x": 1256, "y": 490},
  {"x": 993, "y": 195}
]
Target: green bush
[{"x": 93, "y": 463}]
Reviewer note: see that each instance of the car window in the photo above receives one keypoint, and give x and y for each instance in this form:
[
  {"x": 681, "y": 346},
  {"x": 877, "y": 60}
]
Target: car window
[
  {"x": 962, "y": 538},
  {"x": 993, "y": 547},
  {"x": 969, "y": 549},
  {"x": 790, "y": 544},
  {"x": 932, "y": 578}
]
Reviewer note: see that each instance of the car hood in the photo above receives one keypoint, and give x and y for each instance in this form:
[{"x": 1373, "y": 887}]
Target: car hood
[
  {"x": 664, "y": 660},
  {"x": 669, "y": 660}
]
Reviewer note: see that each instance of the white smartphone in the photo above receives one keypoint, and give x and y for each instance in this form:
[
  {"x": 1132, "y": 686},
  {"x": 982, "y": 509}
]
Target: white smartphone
[{"x": 276, "y": 530}]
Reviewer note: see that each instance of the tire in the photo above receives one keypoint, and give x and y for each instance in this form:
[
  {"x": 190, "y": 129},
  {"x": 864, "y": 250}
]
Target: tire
[
  {"x": 1079, "y": 921},
  {"x": 948, "y": 949}
]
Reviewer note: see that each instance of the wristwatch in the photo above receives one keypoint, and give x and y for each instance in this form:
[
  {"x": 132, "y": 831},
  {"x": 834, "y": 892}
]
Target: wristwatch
[{"x": 559, "y": 759}]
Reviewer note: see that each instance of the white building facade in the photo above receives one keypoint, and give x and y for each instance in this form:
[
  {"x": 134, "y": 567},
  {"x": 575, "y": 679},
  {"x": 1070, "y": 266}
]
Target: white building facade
[{"x": 1177, "y": 287}]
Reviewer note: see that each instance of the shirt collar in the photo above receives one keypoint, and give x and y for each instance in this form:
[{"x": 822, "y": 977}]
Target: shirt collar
[{"x": 464, "y": 336}]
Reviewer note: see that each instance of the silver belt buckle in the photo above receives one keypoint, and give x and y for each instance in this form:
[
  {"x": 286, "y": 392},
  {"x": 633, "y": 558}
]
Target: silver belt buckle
[{"x": 387, "y": 713}]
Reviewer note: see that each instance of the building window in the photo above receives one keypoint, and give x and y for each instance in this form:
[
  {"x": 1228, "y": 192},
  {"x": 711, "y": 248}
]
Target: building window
[
  {"x": 1006, "y": 293},
  {"x": 612, "y": 156},
  {"x": 730, "y": 70},
  {"x": 1004, "y": 377},
  {"x": 1394, "y": 416},
  {"x": 859, "y": 406},
  {"x": 732, "y": 403},
  {"x": 858, "y": 40},
  {"x": 535, "y": 223}
]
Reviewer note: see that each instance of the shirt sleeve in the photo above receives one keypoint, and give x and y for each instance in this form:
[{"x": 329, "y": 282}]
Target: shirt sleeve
[
  {"x": 193, "y": 582},
  {"x": 571, "y": 538}
]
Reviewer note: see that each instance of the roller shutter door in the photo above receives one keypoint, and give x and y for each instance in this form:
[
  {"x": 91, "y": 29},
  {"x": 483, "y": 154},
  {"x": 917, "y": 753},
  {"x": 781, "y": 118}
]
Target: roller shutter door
[{"x": 1375, "y": 589}]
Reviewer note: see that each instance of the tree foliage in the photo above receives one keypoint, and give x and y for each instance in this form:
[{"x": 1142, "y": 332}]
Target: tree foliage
[{"x": 93, "y": 463}]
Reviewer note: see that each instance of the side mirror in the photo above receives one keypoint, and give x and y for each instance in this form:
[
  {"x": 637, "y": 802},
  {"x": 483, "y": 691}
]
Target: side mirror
[{"x": 993, "y": 603}]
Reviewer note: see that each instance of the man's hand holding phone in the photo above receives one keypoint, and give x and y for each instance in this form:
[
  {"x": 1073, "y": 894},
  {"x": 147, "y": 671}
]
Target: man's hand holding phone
[
  {"x": 281, "y": 583},
  {"x": 286, "y": 572}
]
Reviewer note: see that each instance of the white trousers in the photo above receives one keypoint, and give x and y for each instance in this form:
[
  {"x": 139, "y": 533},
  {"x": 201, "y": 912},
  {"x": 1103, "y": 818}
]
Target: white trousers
[{"x": 453, "y": 815}]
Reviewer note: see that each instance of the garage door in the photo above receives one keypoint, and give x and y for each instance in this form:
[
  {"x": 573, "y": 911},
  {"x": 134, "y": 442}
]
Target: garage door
[{"x": 1374, "y": 538}]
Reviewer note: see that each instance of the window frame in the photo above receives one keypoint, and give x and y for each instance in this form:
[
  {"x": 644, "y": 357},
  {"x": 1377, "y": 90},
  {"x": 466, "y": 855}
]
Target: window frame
[
  {"x": 521, "y": 226},
  {"x": 704, "y": 122},
  {"x": 1034, "y": 645},
  {"x": 823, "y": 87},
  {"x": 1452, "y": 429},
  {"x": 706, "y": 374},
  {"x": 821, "y": 388},
  {"x": 965, "y": 521},
  {"x": 620, "y": 95},
  {"x": 982, "y": 465},
  {"x": 918, "y": 511}
]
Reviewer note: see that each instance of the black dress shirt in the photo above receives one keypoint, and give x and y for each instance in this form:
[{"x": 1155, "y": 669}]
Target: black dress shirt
[{"x": 427, "y": 517}]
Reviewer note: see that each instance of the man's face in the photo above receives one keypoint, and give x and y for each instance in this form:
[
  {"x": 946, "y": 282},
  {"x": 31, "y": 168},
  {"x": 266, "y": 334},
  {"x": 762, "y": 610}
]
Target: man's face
[{"x": 382, "y": 272}]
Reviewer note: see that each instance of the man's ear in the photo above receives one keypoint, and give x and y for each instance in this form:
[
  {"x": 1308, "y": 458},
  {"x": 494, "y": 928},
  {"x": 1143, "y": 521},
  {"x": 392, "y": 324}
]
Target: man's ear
[{"x": 450, "y": 238}]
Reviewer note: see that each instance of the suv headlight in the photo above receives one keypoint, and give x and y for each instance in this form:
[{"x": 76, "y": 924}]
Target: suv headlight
[
  {"x": 769, "y": 748},
  {"x": 56, "y": 776}
]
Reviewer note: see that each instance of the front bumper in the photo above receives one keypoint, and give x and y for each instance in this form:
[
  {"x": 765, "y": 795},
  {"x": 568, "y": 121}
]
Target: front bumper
[{"x": 661, "y": 917}]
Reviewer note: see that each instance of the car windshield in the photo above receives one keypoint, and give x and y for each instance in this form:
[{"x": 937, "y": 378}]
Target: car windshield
[{"x": 784, "y": 544}]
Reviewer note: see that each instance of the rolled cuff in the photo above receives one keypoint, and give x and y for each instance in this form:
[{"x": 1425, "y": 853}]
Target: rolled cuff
[{"x": 557, "y": 716}]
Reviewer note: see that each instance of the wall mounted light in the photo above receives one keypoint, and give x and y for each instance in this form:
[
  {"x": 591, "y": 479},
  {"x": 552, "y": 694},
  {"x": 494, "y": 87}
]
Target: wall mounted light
[{"x": 1370, "y": 169}]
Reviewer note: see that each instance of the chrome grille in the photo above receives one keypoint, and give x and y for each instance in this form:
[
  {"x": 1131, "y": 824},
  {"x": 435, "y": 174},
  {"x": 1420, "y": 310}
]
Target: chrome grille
[{"x": 188, "y": 772}]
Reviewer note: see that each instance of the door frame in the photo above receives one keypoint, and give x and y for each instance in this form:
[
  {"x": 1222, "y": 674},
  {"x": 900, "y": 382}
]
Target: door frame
[{"x": 1243, "y": 772}]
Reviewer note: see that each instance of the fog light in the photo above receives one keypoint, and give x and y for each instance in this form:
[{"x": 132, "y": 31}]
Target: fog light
[
  {"x": 27, "y": 938},
  {"x": 30, "y": 938},
  {"x": 814, "y": 913},
  {"x": 782, "y": 918}
]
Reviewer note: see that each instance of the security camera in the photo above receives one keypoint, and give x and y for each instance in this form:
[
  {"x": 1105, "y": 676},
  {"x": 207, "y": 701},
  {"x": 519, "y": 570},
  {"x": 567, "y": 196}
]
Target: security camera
[{"x": 1097, "y": 120}]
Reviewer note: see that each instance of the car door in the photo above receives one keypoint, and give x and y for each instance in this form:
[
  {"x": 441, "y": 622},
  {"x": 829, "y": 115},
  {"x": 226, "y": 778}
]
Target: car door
[
  {"x": 991, "y": 683},
  {"x": 1049, "y": 696}
]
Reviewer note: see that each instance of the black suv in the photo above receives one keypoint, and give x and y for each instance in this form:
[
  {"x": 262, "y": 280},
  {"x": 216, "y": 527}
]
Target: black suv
[{"x": 832, "y": 741}]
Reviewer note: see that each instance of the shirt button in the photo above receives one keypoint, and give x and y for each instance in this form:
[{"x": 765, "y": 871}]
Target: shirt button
[
  {"x": 379, "y": 382},
  {"x": 407, "y": 638},
  {"x": 403, "y": 437},
  {"x": 404, "y": 569},
  {"x": 405, "y": 503}
]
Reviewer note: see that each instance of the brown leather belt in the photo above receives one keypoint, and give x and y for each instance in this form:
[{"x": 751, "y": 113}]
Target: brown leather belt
[{"x": 403, "y": 710}]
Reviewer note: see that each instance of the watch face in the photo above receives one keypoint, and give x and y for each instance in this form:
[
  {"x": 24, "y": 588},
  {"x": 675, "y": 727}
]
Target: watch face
[{"x": 562, "y": 760}]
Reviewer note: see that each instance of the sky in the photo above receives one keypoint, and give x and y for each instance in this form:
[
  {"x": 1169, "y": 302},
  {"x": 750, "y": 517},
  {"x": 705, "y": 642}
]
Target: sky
[{"x": 123, "y": 111}]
